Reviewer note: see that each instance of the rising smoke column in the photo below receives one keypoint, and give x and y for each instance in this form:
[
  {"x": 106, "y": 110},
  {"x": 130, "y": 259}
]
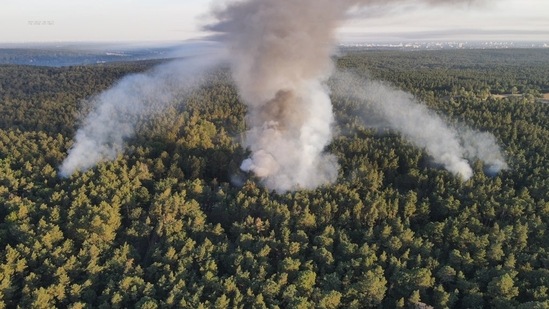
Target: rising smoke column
[
  {"x": 117, "y": 110},
  {"x": 280, "y": 60},
  {"x": 280, "y": 52},
  {"x": 447, "y": 145}
]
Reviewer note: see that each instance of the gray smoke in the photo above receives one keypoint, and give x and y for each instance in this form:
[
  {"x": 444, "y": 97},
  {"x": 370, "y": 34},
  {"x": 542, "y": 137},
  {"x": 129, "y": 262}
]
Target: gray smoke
[
  {"x": 117, "y": 110},
  {"x": 483, "y": 146},
  {"x": 447, "y": 145},
  {"x": 280, "y": 55}
]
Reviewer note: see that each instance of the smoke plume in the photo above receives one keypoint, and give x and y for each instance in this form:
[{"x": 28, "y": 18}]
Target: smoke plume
[
  {"x": 483, "y": 146},
  {"x": 117, "y": 110},
  {"x": 280, "y": 55},
  {"x": 448, "y": 146}
]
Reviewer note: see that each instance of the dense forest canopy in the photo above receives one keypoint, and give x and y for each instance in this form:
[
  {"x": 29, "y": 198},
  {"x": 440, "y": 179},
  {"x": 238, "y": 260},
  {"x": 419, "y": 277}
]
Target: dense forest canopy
[{"x": 173, "y": 223}]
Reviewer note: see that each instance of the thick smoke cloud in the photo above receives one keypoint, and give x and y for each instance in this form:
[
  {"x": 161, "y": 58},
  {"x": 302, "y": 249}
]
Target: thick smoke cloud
[
  {"x": 117, "y": 110},
  {"x": 447, "y": 145},
  {"x": 483, "y": 146},
  {"x": 280, "y": 52},
  {"x": 280, "y": 55}
]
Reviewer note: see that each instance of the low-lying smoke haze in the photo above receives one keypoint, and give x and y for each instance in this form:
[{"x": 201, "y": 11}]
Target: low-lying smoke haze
[
  {"x": 116, "y": 111},
  {"x": 483, "y": 146},
  {"x": 449, "y": 146}
]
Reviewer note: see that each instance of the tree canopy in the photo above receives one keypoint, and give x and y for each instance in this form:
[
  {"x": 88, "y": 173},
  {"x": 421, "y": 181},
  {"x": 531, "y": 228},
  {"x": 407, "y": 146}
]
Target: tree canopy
[{"x": 173, "y": 223}]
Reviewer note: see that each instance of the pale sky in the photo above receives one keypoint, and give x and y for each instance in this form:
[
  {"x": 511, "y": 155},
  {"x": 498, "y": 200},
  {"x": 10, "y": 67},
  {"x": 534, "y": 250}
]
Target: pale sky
[{"x": 177, "y": 20}]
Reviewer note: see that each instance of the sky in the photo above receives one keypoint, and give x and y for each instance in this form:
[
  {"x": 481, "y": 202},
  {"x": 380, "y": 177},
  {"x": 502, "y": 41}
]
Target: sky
[{"x": 26, "y": 21}]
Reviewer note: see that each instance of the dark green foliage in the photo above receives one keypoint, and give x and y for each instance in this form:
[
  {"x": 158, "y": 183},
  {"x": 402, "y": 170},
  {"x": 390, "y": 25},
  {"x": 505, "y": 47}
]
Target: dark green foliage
[{"x": 163, "y": 227}]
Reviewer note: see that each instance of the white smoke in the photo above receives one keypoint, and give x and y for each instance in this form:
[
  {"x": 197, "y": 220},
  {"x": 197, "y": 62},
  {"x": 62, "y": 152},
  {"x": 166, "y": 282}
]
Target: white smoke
[
  {"x": 117, "y": 110},
  {"x": 447, "y": 145},
  {"x": 483, "y": 146},
  {"x": 287, "y": 152},
  {"x": 280, "y": 55}
]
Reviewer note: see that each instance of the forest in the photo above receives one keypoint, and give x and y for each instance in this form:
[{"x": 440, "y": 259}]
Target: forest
[{"x": 173, "y": 223}]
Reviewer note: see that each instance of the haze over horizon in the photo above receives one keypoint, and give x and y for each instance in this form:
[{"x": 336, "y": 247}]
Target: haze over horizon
[{"x": 33, "y": 21}]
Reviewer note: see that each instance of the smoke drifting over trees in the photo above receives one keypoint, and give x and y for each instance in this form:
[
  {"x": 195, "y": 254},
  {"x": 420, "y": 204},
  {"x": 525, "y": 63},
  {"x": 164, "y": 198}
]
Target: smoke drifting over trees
[
  {"x": 399, "y": 111},
  {"x": 116, "y": 111},
  {"x": 281, "y": 59},
  {"x": 280, "y": 56},
  {"x": 161, "y": 226}
]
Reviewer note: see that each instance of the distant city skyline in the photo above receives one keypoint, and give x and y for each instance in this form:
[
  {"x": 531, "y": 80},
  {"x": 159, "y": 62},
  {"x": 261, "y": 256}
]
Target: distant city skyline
[{"x": 25, "y": 21}]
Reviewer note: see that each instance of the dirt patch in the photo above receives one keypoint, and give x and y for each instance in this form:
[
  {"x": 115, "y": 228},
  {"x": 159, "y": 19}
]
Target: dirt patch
[
  {"x": 546, "y": 96},
  {"x": 502, "y": 96}
]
